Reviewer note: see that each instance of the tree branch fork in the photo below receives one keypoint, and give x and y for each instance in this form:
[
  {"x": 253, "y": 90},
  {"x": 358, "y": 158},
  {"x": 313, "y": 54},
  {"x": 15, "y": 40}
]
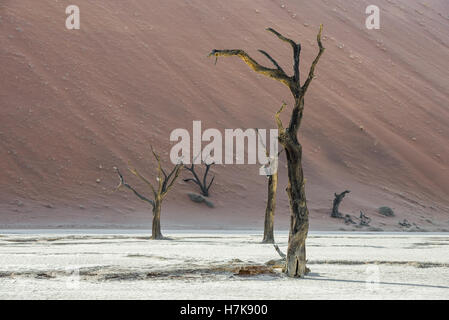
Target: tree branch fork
[
  {"x": 164, "y": 181},
  {"x": 277, "y": 73}
]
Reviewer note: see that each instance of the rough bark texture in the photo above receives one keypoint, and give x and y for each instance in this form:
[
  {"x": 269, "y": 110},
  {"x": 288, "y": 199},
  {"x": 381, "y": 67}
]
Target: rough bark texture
[
  {"x": 156, "y": 226},
  {"x": 165, "y": 183},
  {"x": 299, "y": 219},
  {"x": 338, "y": 199},
  {"x": 299, "y": 223}
]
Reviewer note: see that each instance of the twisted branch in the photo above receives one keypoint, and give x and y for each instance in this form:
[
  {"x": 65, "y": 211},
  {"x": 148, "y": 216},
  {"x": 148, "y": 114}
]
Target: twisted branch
[
  {"x": 276, "y": 74},
  {"x": 315, "y": 62},
  {"x": 279, "y": 74},
  {"x": 278, "y": 119},
  {"x": 124, "y": 184},
  {"x": 296, "y": 52},
  {"x": 167, "y": 185},
  {"x": 165, "y": 181},
  {"x": 204, "y": 187},
  {"x": 271, "y": 59},
  {"x": 141, "y": 177}
]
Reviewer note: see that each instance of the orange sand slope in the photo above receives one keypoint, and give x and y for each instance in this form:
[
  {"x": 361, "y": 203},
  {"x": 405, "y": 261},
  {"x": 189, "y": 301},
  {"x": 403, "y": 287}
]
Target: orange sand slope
[{"x": 75, "y": 103}]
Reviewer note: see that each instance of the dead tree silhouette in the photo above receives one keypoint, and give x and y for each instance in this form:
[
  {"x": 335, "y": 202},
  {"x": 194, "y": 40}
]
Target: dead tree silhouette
[
  {"x": 268, "y": 230},
  {"x": 165, "y": 183},
  {"x": 288, "y": 137},
  {"x": 202, "y": 183},
  {"x": 338, "y": 199}
]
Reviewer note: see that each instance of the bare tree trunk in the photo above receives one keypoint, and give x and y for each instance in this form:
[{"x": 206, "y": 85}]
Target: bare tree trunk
[
  {"x": 156, "y": 227},
  {"x": 268, "y": 234},
  {"x": 299, "y": 218},
  {"x": 336, "y": 204}
]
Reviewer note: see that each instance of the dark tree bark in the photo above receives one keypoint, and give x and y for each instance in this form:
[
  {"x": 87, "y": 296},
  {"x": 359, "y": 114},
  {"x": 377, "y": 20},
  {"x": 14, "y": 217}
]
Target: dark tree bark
[
  {"x": 288, "y": 137},
  {"x": 165, "y": 183},
  {"x": 156, "y": 233},
  {"x": 336, "y": 204},
  {"x": 204, "y": 186}
]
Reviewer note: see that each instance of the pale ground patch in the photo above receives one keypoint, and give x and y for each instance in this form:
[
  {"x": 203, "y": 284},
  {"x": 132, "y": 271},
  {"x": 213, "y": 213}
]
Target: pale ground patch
[{"x": 201, "y": 265}]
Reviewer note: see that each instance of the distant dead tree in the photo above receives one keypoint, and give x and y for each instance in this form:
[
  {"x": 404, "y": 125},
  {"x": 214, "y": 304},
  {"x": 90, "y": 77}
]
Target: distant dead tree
[
  {"x": 165, "y": 183},
  {"x": 268, "y": 231},
  {"x": 405, "y": 223},
  {"x": 288, "y": 137},
  {"x": 364, "y": 219},
  {"x": 202, "y": 183},
  {"x": 338, "y": 199}
]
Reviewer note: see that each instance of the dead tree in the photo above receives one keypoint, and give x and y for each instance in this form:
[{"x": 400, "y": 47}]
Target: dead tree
[
  {"x": 268, "y": 230},
  {"x": 405, "y": 223},
  {"x": 288, "y": 137},
  {"x": 204, "y": 186},
  {"x": 337, "y": 200},
  {"x": 165, "y": 183},
  {"x": 364, "y": 219}
]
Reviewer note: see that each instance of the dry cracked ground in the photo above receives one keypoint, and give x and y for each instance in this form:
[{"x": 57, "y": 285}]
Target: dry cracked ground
[{"x": 221, "y": 266}]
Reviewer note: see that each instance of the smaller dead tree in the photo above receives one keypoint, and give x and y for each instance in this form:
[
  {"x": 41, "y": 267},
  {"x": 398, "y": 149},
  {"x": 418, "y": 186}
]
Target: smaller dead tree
[
  {"x": 405, "y": 223},
  {"x": 364, "y": 219},
  {"x": 202, "y": 183},
  {"x": 165, "y": 183},
  {"x": 268, "y": 232},
  {"x": 272, "y": 176},
  {"x": 338, "y": 199}
]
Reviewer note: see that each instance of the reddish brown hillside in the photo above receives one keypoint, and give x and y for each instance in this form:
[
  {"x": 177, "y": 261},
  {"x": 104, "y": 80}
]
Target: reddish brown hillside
[{"x": 74, "y": 103}]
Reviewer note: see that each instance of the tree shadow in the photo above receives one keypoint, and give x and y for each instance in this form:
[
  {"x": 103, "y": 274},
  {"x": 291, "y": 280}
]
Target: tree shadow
[{"x": 317, "y": 277}]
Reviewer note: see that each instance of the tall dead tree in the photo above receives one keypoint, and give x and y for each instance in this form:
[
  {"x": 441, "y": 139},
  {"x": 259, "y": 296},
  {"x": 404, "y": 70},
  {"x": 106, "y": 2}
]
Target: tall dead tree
[
  {"x": 338, "y": 199},
  {"x": 288, "y": 137},
  {"x": 202, "y": 183},
  {"x": 165, "y": 183}
]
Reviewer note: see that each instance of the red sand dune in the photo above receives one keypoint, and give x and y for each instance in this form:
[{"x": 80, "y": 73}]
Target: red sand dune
[{"x": 75, "y": 103}]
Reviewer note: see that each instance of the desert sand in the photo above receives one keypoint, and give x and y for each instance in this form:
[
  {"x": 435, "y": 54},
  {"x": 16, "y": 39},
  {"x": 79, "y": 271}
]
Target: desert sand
[
  {"x": 110, "y": 265},
  {"x": 75, "y": 103}
]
